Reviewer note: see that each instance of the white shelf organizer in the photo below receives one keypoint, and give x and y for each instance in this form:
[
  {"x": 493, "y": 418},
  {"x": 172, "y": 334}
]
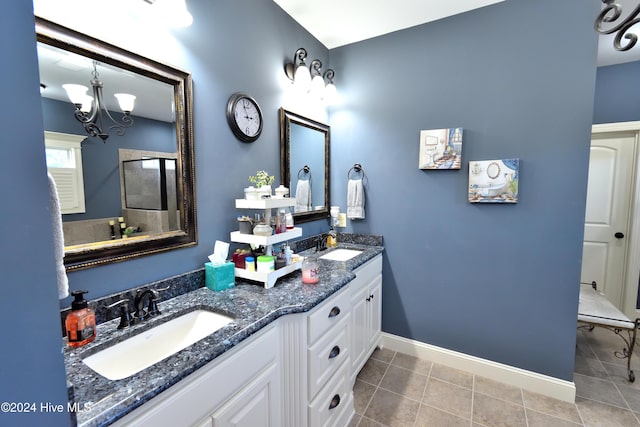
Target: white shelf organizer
[{"x": 269, "y": 279}]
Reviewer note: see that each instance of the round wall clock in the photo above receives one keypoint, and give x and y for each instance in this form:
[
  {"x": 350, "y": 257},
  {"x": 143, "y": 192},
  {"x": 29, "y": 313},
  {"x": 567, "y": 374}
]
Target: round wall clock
[{"x": 244, "y": 117}]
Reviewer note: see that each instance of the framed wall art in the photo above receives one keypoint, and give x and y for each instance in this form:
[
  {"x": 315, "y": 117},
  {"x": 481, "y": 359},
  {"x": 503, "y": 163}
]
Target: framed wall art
[
  {"x": 494, "y": 181},
  {"x": 440, "y": 148}
]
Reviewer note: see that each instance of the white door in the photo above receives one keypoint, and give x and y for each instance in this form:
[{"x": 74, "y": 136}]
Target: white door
[{"x": 607, "y": 213}]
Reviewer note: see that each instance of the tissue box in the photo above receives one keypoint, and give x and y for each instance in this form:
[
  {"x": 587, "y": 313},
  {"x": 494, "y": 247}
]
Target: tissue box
[{"x": 219, "y": 277}]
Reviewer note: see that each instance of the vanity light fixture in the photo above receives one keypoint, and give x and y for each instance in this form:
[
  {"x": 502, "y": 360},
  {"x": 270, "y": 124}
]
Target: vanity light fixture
[
  {"x": 317, "y": 81},
  {"x": 311, "y": 79},
  {"x": 91, "y": 110},
  {"x": 610, "y": 14},
  {"x": 298, "y": 71},
  {"x": 330, "y": 90}
]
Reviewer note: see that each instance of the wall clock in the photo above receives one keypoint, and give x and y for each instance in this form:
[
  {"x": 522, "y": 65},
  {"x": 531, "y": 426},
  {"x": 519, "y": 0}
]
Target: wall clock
[{"x": 244, "y": 117}]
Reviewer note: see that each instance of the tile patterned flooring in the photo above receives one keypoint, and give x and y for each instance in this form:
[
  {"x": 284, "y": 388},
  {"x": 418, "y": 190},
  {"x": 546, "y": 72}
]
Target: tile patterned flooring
[{"x": 397, "y": 390}]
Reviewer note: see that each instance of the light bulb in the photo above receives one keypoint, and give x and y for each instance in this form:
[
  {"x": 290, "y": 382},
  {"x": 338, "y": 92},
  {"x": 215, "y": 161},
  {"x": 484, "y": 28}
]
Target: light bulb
[
  {"x": 87, "y": 102},
  {"x": 76, "y": 93},
  {"x": 126, "y": 101},
  {"x": 302, "y": 78},
  {"x": 317, "y": 87},
  {"x": 330, "y": 93}
]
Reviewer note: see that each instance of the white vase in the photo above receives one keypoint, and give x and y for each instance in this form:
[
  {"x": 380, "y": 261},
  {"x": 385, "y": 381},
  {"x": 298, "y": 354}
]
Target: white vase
[
  {"x": 250, "y": 193},
  {"x": 264, "y": 192}
]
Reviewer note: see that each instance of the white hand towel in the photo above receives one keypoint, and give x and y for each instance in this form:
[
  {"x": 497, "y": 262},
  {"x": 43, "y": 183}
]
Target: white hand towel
[
  {"x": 58, "y": 239},
  {"x": 303, "y": 195},
  {"x": 355, "y": 199}
]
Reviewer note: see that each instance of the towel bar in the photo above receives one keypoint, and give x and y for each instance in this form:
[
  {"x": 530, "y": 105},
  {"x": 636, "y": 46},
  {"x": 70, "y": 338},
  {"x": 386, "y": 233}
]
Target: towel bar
[
  {"x": 306, "y": 170},
  {"x": 357, "y": 168}
]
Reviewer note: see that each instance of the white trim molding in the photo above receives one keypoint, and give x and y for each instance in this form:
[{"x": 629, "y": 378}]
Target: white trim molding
[{"x": 528, "y": 380}]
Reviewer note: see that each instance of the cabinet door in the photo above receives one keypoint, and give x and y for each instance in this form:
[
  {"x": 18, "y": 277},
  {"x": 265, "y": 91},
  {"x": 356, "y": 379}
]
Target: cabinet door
[
  {"x": 374, "y": 303},
  {"x": 256, "y": 405},
  {"x": 359, "y": 329}
]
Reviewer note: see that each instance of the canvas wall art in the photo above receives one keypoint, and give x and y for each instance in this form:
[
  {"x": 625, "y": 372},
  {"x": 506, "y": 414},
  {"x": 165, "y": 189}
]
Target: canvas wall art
[
  {"x": 440, "y": 149},
  {"x": 494, "y": 181}
]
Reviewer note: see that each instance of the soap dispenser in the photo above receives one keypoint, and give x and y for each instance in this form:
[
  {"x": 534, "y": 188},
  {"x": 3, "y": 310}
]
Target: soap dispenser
[{"x": 80, "y": 322}]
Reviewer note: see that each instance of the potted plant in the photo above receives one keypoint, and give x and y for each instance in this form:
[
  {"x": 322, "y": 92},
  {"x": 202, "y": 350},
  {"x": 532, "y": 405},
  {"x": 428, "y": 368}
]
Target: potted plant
[{"x": 262, "y": 180}]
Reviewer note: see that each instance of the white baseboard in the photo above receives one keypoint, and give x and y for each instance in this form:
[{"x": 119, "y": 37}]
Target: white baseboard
[{"x": 532, "y": 381}]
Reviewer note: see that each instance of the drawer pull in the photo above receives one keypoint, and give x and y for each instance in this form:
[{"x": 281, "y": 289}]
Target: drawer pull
[
  {"x": 335, "y": 351},
  {"x": 334, "y": 402},
  {"x": 334, "y": 312}
]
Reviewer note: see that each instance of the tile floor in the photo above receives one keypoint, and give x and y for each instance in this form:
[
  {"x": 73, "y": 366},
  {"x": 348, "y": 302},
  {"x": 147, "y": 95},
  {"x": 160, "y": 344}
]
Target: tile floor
[{"x": 394, "y": 389}]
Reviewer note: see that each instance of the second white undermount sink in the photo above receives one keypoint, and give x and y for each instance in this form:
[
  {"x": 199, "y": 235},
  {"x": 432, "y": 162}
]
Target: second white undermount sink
[
  {"x": 341, "y": 254},
  {"x": 150, "y": 347}
]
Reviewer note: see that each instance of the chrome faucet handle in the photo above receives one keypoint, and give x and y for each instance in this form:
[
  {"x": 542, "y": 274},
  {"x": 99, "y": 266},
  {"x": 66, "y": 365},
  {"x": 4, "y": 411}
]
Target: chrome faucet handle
[{"x": 125, "y": 318}]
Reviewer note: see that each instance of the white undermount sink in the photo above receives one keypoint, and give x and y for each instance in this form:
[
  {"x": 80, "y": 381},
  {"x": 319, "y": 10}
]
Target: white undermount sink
[
  {"x": 147, "y": 348},
  {"x": 341, "y": 254}
]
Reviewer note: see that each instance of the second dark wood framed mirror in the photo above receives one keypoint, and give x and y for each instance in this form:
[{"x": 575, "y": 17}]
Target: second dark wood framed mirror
[{"x": 305, "y": 164}]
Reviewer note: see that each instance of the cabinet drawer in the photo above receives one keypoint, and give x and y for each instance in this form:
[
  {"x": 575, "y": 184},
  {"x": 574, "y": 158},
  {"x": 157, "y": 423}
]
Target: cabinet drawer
[
  {"x": 326, "y": 356},
  {"x": 369, "y": 270},
  {"x": 328, "y": 314},
  {"x": 329, "y": 405}
]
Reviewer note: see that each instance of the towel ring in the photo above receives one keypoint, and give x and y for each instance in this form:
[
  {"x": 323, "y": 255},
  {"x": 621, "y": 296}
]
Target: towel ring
[
  {"x": 357, "y": 168},
  {"x": 305, "y": 169}
]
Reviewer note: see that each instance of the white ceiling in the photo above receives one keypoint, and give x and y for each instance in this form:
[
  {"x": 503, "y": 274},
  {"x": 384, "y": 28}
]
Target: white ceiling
[{"x": 337, "y": 23}]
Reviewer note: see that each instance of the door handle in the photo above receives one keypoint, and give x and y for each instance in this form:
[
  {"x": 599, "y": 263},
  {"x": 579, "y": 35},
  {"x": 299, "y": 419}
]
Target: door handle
[{"x": 619, "y": 235}]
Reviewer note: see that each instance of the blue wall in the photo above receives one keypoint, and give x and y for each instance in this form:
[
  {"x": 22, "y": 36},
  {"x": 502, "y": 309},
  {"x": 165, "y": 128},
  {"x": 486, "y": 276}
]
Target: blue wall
[
  {"x": 31, "y": 365},
  {"x": 617, "y": 96},
  {"x": 222, "y": 61},
  {"x": 495, "y": 281},
  {"x": 100, "y": 160},
  {"x": 498, "y": 282}
]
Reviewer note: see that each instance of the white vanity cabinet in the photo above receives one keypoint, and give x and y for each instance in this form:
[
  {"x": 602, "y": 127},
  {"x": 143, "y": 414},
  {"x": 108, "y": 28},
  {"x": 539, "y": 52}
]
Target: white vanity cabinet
[
  {"x": 330, "y": 398},
  {"x": 241, "y": 388},
  {"x": 366, "y": 313},
  {"x": 316, "y": 361}
]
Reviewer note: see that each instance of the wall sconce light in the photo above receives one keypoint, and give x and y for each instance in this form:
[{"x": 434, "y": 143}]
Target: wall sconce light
[
  {"x": 311, "y": 79},
  {"x": 317, "y": 81},
  {"x": 298, "y": 72},
  {"x": 89, "y": 109},
  {"x": 330, "y": 90}
]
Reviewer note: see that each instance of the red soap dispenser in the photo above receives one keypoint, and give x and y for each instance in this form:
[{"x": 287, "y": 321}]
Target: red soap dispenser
[{"x": 80, "y": 322}]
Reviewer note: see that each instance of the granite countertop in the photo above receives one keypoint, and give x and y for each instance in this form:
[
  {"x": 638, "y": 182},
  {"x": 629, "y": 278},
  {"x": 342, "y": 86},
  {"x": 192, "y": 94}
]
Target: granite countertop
[{"x": 252, "y": 308}]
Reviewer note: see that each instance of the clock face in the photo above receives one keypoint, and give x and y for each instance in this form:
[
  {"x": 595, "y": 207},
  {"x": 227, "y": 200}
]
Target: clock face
[{"x": 245, "y": 117}]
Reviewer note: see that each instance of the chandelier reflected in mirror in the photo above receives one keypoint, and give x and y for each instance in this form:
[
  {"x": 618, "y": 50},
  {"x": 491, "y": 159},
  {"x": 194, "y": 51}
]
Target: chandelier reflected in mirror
[{"x": 92, "y": 112}]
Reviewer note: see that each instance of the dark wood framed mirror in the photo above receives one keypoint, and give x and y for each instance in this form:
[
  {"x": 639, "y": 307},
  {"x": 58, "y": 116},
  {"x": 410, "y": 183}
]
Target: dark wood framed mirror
[
  {"x": 177, "y": 84},
  {"x": 304, "y": 164}
]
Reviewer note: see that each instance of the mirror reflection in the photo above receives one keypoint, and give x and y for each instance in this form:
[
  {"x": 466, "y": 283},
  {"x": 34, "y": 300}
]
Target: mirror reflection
[
  {"x": 130, "y": 192},
  {"x": 304, "y": 165}
]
